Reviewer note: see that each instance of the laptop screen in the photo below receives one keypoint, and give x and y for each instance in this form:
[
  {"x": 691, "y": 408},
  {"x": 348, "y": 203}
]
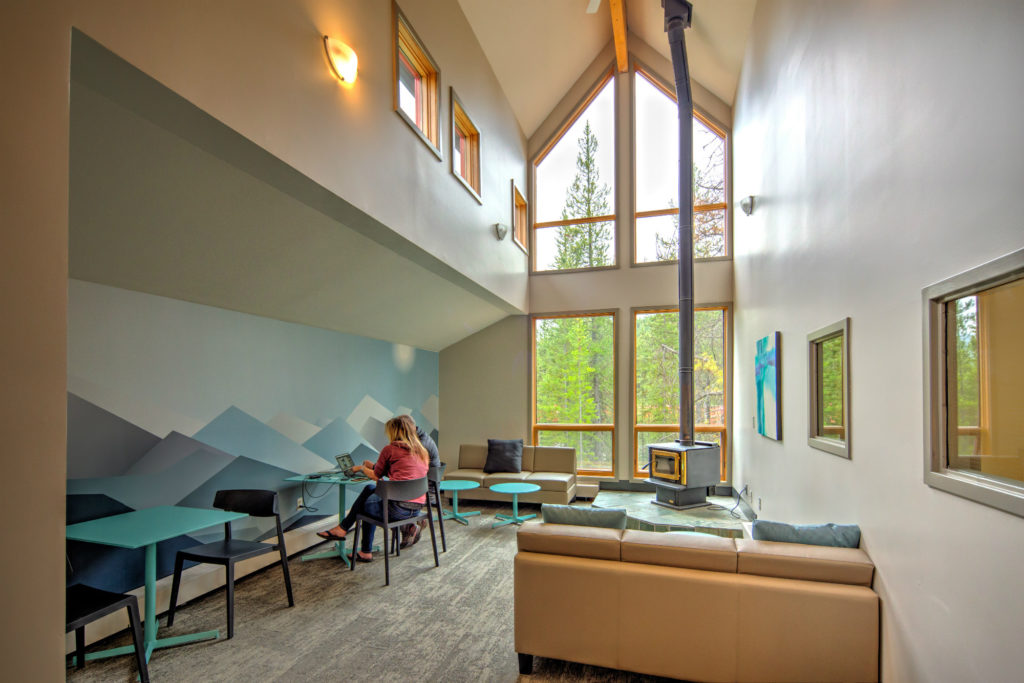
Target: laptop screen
[{"x": 344, "y": 461}]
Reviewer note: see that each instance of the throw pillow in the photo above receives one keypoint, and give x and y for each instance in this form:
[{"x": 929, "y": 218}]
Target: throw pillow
[
  {"x": 609, "y": 518},
  {"x": 504, "y": 455},
  {"x": 836, "y": 535}
]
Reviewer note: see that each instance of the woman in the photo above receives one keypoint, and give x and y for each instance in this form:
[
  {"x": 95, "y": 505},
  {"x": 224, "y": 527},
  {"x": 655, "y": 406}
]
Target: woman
[{"x": 402, "y": 459}]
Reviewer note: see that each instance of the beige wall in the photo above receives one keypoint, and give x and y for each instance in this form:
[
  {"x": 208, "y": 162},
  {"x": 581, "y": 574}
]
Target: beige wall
[
  {"x": 483, "y": 386},
  {"x": 882, "y": 141}
]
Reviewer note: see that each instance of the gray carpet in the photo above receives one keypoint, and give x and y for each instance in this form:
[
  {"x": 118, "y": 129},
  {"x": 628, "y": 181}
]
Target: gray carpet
[{"x": 453, "y": 623}]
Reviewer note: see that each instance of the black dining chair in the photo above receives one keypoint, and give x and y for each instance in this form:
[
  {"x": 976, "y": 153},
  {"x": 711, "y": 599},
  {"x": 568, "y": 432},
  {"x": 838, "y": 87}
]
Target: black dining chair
[
  {"x": 435, "y": 475},
  {"x": 85, "y": 604},
  {"x": 388, "y": 490},
  {"x": 255, "y": 503}
]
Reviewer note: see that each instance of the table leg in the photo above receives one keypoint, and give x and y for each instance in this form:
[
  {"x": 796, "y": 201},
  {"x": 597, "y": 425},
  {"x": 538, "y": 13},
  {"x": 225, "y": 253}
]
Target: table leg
[
  {"x": 459, "y": 517},
  {"x": 515, "y": 518},
  {"x": 338, "y": 549}
]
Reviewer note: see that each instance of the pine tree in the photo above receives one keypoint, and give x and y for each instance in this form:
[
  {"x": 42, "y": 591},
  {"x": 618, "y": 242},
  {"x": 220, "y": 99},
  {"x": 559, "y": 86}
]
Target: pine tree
[{"x": 585, "y": 245}]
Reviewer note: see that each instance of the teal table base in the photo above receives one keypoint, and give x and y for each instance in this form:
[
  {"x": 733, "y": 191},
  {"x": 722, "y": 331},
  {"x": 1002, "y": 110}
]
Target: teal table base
[
  {"x": 514, "y": 518},
  {"x": 459, "y": 517}
]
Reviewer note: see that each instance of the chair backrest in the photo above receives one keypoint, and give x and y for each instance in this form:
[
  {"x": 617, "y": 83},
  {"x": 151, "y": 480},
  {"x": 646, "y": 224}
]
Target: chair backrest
[
  {"x": 254, "y": 502},
  {"x": 406, "y": 489},
  {"x": 436, "y": 474}
]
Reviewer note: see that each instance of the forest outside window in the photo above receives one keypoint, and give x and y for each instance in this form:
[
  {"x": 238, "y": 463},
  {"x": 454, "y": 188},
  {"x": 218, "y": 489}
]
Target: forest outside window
[
  {"x": 657, "y": 178},
  {"x": 829, "y": 372},
  {"x": 416, "y": 83},
  {"x": 975, "y": 384},
  {"x": 465, "y": 148},
  {"x": 520, "y": 217},
  {"x": 656, "y": 380},
  {"x": 574, "y": 203},
  {"x": 574, "y": 387}
]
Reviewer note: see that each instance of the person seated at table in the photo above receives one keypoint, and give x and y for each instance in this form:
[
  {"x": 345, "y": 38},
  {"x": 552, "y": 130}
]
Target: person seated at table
[{"x": 402, "y": 459}]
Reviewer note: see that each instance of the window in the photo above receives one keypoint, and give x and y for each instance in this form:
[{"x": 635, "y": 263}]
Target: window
[
  {"x": 574, "y": 387},
  {"x": 417, "y": 81},
  {"x": 575, "y": 190},
  {"x": 829, "y": 372},
  {"x": 465, "y": 148},
  {"x": 519, "y": 218},
  {"x": 657, "y": 178},
  {"x": 656, "y": 380},
  {"x": 974, "y": 384}
]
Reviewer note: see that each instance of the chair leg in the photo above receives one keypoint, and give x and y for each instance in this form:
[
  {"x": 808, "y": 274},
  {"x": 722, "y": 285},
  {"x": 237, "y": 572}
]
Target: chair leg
[
  {"x": 287, "y": 574},
  {"x": 355, "y": 546},
  {"x": 440, "y": 520},
  {"x": 230, "y": 583},
  {"x": 387, "y": 567},
  {"x": 433, "y": 538},
  {"x": 179, "y": 561},
  {"x": 80, "y": 647},
  {"x": 140, "y": 646}
]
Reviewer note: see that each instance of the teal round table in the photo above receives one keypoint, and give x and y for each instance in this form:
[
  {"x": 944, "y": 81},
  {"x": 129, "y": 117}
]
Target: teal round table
[
  {"x": 515, "y": 489},
  {"x": 456, "y": 485}
]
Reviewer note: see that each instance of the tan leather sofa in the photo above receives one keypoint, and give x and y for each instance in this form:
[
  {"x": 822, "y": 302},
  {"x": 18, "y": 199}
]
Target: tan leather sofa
[
  {"x": 695, "y": 607},
  {"x": 551, "y": 468}
]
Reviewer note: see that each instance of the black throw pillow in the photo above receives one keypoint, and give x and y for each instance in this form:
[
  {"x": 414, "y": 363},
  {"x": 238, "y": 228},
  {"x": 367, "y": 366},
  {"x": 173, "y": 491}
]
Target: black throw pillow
[{"x": 504, "y": 455}]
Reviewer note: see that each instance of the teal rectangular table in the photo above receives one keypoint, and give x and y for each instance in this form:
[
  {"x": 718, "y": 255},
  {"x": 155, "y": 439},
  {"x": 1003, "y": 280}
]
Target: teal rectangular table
[
  {"x": 144, "y": 529},
  {"x": 342, "y": 482}
]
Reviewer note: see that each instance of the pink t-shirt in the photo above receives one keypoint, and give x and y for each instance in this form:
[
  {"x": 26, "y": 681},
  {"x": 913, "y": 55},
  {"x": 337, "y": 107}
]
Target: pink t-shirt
[{"x": 398, "y": 463}]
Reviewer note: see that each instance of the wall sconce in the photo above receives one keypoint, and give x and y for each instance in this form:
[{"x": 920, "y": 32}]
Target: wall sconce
[
  {"x": 500, "y": 231},
  {"x": 747, "y": 204},
  {"x": 343, "y": 60}
]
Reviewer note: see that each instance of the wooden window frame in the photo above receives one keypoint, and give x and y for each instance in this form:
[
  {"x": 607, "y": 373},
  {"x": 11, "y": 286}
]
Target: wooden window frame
[
  {"x": 408, "y": 48},
  {"x": 536, "y": 428},
  {"x": 520, "y": 219},
  {"x": 606, "y": 78},
  {"x": 462, "y": 127},
  {"x": 721, "y": 429},
  {"x": 815, "y": 430},
  {"x": 648, "y": 75}
]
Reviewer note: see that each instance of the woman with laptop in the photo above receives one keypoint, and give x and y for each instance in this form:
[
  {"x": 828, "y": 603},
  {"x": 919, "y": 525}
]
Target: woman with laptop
[{"x": 402, "y": 459}]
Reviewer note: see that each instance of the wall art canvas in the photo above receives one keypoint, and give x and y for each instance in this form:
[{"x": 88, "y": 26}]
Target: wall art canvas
[{"x": 768, "y": 385}]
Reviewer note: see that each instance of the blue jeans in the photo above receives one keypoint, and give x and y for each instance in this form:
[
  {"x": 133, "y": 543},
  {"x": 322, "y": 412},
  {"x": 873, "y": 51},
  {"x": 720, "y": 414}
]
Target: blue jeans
[{"x": 374, "y": 507}]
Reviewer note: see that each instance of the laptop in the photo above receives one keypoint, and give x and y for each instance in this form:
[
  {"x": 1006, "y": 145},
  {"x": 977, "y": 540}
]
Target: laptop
[{"x": 345, "y": 467}]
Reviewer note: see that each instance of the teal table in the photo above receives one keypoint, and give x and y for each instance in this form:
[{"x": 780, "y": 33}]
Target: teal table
[
  {"x": 456, "y": 485},
  {"x": 515, "y": 489},
  {"x": 342, "y": 482},
  {"x": 144, "y": 529}
]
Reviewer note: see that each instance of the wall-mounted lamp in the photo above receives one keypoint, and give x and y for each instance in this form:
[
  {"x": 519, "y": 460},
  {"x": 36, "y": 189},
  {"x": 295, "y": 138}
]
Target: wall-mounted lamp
[
  {"x": 747, "y": 204},
  {"x": 343, "y": 60},
  {"x": 500, "y": 231}
]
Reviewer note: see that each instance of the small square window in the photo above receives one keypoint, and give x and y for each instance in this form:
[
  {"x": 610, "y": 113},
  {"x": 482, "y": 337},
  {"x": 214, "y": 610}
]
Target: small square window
[
  {"x": 829, "y": 372},
  {"x": 465, "y": 148},
  {"x": 417, "y": 81},
  {"x": 519, "y": 218}
]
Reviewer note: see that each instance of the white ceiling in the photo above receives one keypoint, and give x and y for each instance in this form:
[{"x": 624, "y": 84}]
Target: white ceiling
[{"x": 557, "y": 38}]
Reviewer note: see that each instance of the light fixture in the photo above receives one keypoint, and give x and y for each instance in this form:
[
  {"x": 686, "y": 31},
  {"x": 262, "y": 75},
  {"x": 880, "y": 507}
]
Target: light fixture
[
  {"x": 747, "y": 204},
  {"x": 500, "y": 231},
  {"x": 343, "y": 60}
]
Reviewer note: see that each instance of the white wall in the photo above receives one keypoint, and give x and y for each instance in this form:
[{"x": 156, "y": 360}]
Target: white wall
[{"x": 883, "y": 144}]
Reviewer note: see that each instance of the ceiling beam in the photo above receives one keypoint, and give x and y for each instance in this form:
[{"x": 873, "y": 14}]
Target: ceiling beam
[{"x": 618, "y": 11}]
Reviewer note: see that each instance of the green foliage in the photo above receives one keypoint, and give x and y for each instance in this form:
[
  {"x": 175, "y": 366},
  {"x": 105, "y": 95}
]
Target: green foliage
[
  {"x": 831, "y": 368},
  {"x": 585, "y": 245}
]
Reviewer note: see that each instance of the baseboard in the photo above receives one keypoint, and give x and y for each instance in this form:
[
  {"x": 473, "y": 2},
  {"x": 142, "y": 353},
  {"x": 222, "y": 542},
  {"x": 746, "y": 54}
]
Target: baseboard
[{"x": 202, "y": 579}]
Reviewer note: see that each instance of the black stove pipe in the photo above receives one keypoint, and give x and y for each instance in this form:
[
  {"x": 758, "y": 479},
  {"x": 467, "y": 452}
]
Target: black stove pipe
[{"x": 678, "y": 14}]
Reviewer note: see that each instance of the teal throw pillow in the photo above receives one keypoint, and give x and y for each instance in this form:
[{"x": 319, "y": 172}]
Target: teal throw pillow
[
  {"x": 609, "y": 518},
  {"x": 836, "y": 535}
]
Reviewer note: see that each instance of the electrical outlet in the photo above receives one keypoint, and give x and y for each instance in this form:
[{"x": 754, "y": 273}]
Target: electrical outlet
[{"x": 299, "y": 505}]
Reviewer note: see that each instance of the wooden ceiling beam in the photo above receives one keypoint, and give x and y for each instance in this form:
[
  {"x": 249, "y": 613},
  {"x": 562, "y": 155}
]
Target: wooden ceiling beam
[{"x": 618, "y": 11}]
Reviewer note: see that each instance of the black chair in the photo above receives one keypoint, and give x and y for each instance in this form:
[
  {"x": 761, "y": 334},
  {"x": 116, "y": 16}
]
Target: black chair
[
  {"x": 388, "y": 490},
  {"x": 435, "y": 475},
  {"x": 86, "y": 604},
  {"x": 255, "y": 503}
]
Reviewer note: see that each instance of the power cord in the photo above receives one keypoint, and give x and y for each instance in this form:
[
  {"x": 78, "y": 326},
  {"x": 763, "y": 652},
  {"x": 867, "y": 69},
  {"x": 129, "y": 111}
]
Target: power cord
[
  {"x": 308, "y": 493},
  {"x": 732, "y": 511}
]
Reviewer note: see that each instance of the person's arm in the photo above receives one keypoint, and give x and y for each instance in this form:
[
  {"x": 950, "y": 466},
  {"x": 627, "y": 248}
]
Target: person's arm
[{"x": 367, "y": 469}]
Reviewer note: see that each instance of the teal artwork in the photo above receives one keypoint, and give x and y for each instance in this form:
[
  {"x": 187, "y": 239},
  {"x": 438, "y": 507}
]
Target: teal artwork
[{"x": 766, "y": 379}]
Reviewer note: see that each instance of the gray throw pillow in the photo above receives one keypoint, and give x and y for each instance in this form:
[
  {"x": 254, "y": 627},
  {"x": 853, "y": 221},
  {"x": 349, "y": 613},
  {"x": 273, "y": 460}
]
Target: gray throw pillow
[
  {"x": 609, "y": 518},
  {"x": 504, "y": 455},
  {"x": 836, "y": 535}
]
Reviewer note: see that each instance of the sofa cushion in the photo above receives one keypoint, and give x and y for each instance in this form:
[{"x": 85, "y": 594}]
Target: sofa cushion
[
  {"x": 552, "y": 481},
  {"x": 808, "y": 562},
  {"x": 836, "y": 535},
  {"x": 554, "y": 459},
  {"x": 608, "y": 518},
  {"x": 504, "y": 455},
  {"x": 686, "y": 550},
  {"x": 467, "y": 475},
  {"x": 527, "y": 458},
  {"x": 564, "y": 539},
  {"x": 505, "y": 478},
  {"x": 472, "y": 456}
]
